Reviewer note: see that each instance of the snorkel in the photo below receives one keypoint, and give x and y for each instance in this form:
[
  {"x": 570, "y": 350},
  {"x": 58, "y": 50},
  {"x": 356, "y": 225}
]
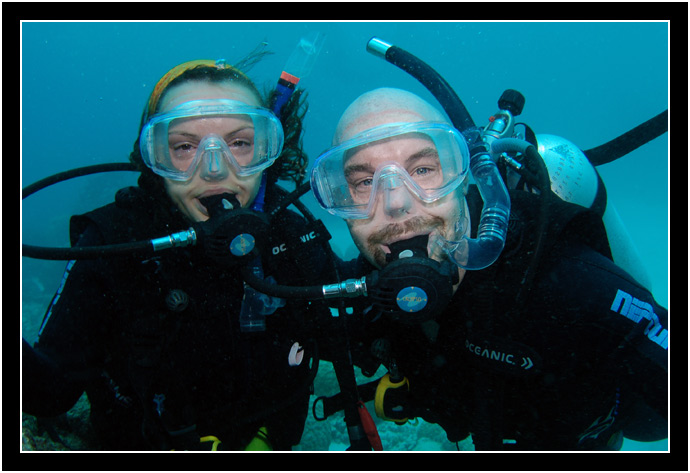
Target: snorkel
[
  {"x": 467, "y": 253},
  {"x": 298, "y": 66}
]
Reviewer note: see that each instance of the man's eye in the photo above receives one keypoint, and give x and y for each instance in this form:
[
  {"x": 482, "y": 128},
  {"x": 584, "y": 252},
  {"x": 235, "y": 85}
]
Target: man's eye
[
  {"x": 364, "y": 183},
  {"x": 426, "y": 174},
  {"x": 361, "y": 188}
]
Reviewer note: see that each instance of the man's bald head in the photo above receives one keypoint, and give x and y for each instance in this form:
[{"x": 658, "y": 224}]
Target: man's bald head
[{"x": 382, "y": 106}]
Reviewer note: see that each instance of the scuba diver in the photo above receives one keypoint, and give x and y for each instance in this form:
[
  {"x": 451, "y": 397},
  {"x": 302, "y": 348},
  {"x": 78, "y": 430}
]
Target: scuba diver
[
  {"x": 494, "y": 304},
  {"x": 173, "y": 349}
]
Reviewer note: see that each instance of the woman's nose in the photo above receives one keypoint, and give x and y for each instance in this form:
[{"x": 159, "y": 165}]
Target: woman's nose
[{"x": 214, "y": 165}]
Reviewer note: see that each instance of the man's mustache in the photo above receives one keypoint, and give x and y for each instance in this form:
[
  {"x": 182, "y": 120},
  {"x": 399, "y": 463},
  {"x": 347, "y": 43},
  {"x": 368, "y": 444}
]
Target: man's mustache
[{"x": 414, "y": 225}]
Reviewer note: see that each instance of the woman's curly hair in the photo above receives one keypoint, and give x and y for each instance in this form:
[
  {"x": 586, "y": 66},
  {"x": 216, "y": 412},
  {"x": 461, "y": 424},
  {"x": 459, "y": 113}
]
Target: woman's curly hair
[{"x": 292, "y": 162}]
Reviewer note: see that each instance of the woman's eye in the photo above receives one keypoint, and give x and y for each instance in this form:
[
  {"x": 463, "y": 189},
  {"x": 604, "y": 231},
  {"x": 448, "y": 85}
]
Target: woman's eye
[
  {"x": 239, "y": 143},
  {"x": 183, "y": 150},
  {"x": 183, "y": 147}
]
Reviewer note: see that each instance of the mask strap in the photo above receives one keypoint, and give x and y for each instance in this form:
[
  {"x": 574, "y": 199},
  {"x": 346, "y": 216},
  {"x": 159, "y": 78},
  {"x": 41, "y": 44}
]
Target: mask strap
[{"x": 163, "y": 83}]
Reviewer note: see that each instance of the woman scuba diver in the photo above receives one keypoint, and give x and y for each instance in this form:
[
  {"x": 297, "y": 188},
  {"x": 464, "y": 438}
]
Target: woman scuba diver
[{"x": 173, "y": 349}]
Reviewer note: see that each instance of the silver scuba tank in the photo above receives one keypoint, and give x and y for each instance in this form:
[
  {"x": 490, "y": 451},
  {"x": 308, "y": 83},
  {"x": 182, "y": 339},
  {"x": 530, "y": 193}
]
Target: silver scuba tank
[{"x": 575, "y": 179}]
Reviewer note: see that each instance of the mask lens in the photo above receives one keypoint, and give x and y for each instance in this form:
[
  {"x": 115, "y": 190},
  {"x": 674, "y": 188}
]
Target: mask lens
[
  {"x": 182, "y": 145},
  {"x": 430, "y": 159},
  {"x": 173, "y": 144}
]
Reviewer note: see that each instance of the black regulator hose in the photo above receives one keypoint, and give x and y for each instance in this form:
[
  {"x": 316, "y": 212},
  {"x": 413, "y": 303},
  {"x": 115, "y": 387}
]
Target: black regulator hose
[
  {"x": 276, "y": 290},
  {"x": 50, "y": 253},
  {"x": 72, "y": 173},
  {"x": 87, "y": 252},
  {"x": 342, "y": 358},
  {"x": 293, "y": 198},
  {"x": 141, "y": 248},
  {"x": 629, "y": 141}
]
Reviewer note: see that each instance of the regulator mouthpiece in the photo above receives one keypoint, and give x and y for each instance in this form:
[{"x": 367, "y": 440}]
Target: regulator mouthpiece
[
  {"x": 412, "y": 288},
  {"x": 220, "y": 203},
  {"x": 416, "y": 246}
]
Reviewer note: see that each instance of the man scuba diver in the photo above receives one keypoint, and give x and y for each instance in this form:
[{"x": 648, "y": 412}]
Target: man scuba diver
[
  {"x": 574, "y": 360},
  {"x": 497, "y": 311}
]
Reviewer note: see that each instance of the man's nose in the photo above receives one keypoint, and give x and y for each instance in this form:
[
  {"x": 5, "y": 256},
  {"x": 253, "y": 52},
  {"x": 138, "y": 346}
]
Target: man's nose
[{"x": 397, "y": 198}]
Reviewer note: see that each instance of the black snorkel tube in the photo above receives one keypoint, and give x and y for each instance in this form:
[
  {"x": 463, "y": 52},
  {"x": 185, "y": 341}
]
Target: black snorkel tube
[
  {"x": 429, "y": 78},
  {"x": 469, "y": 253},
  {"x": 480, "y": 252}
]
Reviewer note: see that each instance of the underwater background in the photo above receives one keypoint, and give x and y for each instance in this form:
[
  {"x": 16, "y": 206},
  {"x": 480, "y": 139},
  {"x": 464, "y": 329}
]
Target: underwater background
[{"x": 84, "y": 86}]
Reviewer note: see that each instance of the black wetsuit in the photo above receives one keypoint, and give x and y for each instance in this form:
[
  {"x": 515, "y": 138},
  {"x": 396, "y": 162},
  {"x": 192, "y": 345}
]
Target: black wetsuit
[
  {"x": 570, "y": 362},
  {"x": 161, "y": 373}
]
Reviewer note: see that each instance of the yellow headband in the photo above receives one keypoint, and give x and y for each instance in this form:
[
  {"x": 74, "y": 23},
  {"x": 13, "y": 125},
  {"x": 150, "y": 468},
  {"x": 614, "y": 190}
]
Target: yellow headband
[{"x": 177, "y": 71}]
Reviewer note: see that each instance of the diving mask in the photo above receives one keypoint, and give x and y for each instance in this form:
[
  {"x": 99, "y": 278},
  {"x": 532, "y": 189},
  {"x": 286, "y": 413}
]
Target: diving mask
[
  {"x": 216, "y": 134},
  {"x": 430, "y": 159}
]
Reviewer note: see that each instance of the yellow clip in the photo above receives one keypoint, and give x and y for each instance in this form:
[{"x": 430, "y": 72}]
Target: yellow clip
[
  {"x": 384, "y": 385},
  {"x": 211, "y": 438},
  {"x": 260, "y": 441}
]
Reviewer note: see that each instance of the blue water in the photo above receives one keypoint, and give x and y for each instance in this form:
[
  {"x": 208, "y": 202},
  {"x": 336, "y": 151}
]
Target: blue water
[{"x": 84, "y": 86}]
